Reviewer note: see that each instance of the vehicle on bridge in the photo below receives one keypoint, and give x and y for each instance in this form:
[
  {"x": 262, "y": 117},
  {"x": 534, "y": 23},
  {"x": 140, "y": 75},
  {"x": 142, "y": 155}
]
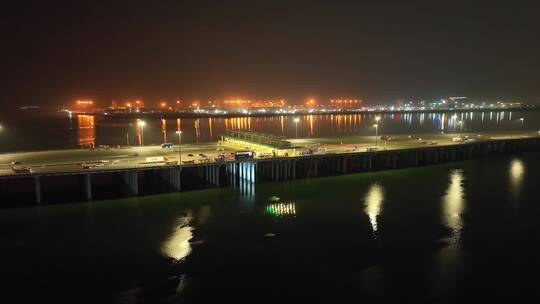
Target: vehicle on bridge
[
  {"x": 157, "y": 159},
  {"x": 239, "y": 155},
  {"x": 23, "y": 170}
]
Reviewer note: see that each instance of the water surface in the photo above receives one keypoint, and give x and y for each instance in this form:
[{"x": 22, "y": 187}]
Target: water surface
[
  {"x": 449, "y": 233},
  {"x": 35, "y": 132}
]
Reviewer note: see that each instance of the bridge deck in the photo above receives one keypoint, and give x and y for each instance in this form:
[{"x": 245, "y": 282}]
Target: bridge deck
[{"x": 128, "y": 158}]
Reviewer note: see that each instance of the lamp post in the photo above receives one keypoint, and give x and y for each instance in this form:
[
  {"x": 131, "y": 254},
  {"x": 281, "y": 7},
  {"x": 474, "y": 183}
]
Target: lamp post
[
  {"x": 522, "y": 122},
  {"x": 179, "y": 148},
  {"x": 296, "y": 120},
  {"x": 141, "y": 124},
  {"x": 376, "y": 126}
]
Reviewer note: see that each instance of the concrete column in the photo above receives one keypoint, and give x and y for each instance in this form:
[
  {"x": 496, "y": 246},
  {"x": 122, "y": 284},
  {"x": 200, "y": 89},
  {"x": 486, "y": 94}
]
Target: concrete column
[
  {"x": 175, "y": 178},
  {"x": 88, "y": 185},
  {"x": 216, "y": 175},
  {"x": 131, "y": 178},
  {"x": 294, "y": 169},
  {"x": 37, "y": 189}
]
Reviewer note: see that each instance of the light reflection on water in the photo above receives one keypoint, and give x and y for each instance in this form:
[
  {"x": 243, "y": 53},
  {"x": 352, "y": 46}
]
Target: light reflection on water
[
  {"x": 86, "y": 132},
  {"x": 517, "y": 171},
  {"x": 373, "y": 202},
  {"x": 454, "y": 205},
  {"x": 450, "y": 257},
  {"x": 177, "y": 246},
  {"x": 287, "y": 209}
]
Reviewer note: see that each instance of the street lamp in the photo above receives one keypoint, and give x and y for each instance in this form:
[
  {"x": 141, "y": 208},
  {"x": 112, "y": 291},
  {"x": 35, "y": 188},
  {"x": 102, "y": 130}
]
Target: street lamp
[
  {"x": 141, "y": 124},
  {"x": 376, "y": 126},
  {"x": 179, "y": 148},
  {"x": 296, "y": 120},
  {"x": 522, "y": 122}
]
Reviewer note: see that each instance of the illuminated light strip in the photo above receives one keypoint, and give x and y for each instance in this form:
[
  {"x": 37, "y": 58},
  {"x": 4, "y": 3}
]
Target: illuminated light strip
[{"x": 281, "y": 209}]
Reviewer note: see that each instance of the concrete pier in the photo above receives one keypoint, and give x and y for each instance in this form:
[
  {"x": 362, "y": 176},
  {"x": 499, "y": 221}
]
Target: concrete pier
[{"x": 243, "y": 175}]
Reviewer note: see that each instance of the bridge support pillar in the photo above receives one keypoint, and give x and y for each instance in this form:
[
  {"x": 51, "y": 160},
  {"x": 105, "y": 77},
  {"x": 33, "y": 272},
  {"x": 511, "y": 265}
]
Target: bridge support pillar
[
  {"x": 88, "y": 186},
  {"x": 131, "y": 178},
  {"x": 218, "y": 169},
  {"x": 175, "y": 178},
  {"x": 37, "y": 189}
]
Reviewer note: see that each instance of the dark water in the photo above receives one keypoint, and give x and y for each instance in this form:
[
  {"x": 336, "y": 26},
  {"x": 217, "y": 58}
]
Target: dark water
[
  {"x": 35, "y": 132},
  {"x": 461, "y": 232}
]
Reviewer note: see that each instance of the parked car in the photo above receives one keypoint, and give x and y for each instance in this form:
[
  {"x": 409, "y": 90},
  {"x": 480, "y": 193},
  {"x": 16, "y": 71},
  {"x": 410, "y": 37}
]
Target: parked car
[{"x": 24, "y": 170}]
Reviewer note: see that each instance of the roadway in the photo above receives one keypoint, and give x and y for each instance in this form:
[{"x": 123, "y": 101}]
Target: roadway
[{"x": 60, "y": 161}]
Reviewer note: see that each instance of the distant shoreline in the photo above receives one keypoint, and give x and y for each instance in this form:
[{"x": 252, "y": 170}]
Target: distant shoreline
[{"x": 159, "y": 115}]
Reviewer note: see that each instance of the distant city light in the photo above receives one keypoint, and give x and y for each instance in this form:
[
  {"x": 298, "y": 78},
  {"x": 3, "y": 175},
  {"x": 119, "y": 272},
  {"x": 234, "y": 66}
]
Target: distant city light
[{"x": 279, "y": 106}]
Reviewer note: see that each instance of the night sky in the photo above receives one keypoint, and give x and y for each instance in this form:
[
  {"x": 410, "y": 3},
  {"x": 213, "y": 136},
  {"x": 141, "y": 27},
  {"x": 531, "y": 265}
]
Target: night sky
[{"x": 56, "y": 51}]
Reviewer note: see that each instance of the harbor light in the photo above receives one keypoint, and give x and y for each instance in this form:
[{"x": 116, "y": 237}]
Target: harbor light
[
  {"x": 179, "y": 148},
  {"x": 376, "y": 126},
  {"x": 296, "y": 120},
  {"x": 141, "y": 124}
]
